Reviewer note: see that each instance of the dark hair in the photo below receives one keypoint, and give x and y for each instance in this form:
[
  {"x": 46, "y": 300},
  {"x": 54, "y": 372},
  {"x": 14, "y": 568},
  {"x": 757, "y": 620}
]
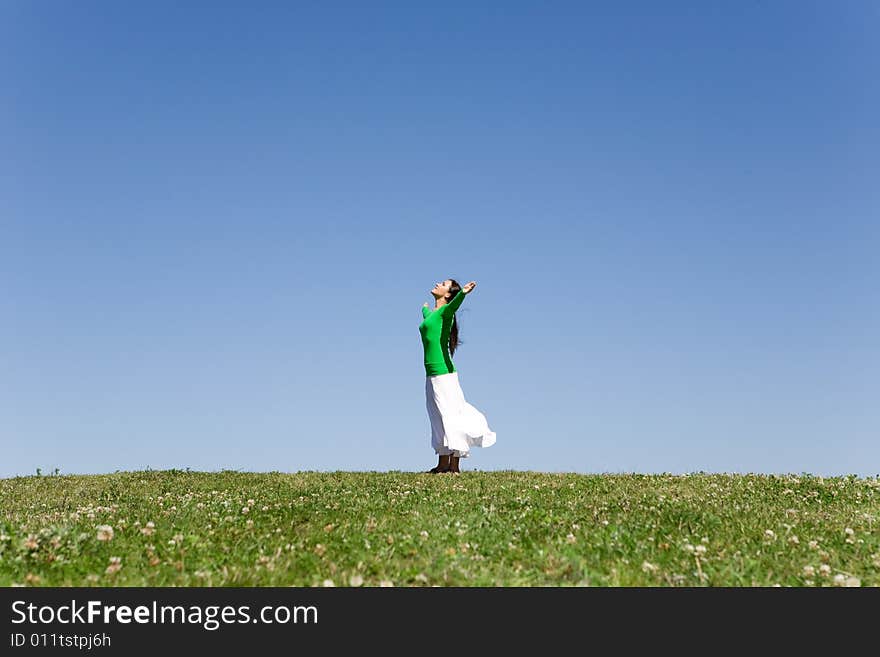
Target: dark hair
[{"x": 454, "y": 288}]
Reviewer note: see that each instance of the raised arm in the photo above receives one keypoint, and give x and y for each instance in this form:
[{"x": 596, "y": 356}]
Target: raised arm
[
  {"x": 457, "y": 300},
  {"x": 453, "y": 305}
]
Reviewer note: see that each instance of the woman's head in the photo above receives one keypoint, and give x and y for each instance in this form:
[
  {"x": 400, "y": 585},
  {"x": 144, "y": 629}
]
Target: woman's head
[{"x": 447, "y": 290}]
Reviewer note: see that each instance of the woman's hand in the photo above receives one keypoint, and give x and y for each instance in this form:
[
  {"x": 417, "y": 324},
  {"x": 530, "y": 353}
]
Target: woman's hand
[{"x": 470, "y": 286}]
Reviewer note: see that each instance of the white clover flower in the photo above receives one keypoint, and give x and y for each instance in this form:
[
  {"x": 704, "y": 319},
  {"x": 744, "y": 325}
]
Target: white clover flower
[
  {"x": 570, "y": 538},
  {"x": 148, "y": 529},
  {"x": 809, "y": 571},
  {"x": 852, "y": 582},
  {"x": 105, "y": 532},
  {"x": 328, "y": 583},
  {"x": 245, "y": 509},
  {"x": 648, "y": 567},
  {"x": 385, "y": 583},
  {"x": 356, "y": 580},
  {"x": 848, "y": 531},
  {"x": 688, "y": 548},
  {"x": 700, "y": 550},
  {"x": 794, "y": 540},
  {"x": 824, "y": 570},
  {"x": 813, "y": 545},
  {"x": 839, "y": 580},
  {"x": 769, "y": 534},
  {"x": 115, "y": 565}
]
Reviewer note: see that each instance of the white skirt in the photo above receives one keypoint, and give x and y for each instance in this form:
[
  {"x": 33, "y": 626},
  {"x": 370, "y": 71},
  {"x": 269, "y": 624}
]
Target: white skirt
[{"x": 456, "y": 426}]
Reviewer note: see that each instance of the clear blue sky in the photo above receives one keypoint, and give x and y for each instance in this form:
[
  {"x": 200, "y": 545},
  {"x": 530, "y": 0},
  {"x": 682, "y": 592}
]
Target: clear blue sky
[{"x": 219, "y": 222}]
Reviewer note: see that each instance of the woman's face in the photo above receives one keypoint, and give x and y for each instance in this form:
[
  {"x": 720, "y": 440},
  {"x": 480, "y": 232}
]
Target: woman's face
[{"x": 442, "y": 289}]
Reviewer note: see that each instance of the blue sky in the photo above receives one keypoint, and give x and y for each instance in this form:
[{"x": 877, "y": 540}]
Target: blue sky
[{"x": 219, "y": 221}]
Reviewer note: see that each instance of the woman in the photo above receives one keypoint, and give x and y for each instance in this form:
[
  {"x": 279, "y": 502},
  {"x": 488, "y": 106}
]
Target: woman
[{"x": 456, "y": 426}]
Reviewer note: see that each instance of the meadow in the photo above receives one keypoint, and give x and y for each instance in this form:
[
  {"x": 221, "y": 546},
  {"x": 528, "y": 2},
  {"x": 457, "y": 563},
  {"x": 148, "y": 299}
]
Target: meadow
[{"x": 503, "y": 528}]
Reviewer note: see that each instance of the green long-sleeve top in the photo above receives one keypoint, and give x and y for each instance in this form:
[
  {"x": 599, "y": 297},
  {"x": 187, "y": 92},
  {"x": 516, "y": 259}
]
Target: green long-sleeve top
[{"x": 435, "y": 328}]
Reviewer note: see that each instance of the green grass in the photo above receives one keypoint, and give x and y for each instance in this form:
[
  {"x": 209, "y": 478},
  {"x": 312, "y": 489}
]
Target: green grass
[{"x": 408, "y": 529}]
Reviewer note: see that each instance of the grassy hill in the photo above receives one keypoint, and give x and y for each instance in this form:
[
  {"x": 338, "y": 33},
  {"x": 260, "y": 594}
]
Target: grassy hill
[{"x": 164, "y": 528}]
